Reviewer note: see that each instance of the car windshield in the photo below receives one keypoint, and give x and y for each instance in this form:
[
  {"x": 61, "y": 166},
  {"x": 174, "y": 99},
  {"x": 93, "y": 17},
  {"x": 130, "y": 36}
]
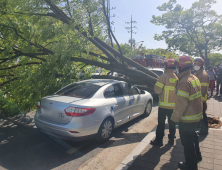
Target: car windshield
[{"x": 80, "y": 90}]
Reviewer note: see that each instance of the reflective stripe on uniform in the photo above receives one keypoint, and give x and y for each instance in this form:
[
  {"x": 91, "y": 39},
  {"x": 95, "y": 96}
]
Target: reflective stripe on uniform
[
  {"x": 204, "y": 98},
  {"x": 166, "y": 96},
  {"x": 183, "y": 94},
  {"x": 166, "y": 104},
  {"x": 169, "y": 87},
  {"x": 159, "y": 84},
  {"x": 193, "y": 117},
  {"x": 204, "y": 84},
  {"x": 196, "y": 95},
  {"x": 187, "y": 62},
  {"x": 195, "y": 83},
  {"x": 172, "y": 80}
]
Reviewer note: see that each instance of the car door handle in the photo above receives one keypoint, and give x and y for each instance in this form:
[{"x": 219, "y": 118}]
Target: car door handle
[{"x": 115, "y": 106}]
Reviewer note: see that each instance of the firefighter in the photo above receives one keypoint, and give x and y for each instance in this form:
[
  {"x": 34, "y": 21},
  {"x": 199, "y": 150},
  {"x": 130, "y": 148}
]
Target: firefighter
[
  {"x": 204, "y": 79},
  {"x": 165, "y": 88},
  {"x": 188, "y": 112}
]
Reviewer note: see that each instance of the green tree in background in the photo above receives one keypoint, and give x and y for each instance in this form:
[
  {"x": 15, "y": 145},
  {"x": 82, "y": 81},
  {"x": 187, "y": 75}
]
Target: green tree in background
[
  {"x": 215, "y": 59},
  {"x": 196, "y": 31},
  {"x": 126, "y": 49}
]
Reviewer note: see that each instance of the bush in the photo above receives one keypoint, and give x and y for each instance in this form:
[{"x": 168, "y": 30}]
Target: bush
[{"x": 7, "y": 106}]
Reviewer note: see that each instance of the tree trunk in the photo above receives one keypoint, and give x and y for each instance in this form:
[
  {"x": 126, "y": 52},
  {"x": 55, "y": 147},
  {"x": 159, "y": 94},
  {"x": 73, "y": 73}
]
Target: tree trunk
[{"x": 206, "y": 59}]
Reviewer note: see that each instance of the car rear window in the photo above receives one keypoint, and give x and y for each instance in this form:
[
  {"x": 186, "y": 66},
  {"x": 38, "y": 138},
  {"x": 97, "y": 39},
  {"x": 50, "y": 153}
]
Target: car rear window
[
  {"x": 159, "y": 73},
  {"x": 80, "y": 90}
]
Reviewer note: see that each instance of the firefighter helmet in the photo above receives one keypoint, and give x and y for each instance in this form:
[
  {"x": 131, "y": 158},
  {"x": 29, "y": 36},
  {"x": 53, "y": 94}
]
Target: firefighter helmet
[
  {"x": 199, "y": 61},
  {"x": 184, "y": 61},
  {"x": 170, "y": 62}
]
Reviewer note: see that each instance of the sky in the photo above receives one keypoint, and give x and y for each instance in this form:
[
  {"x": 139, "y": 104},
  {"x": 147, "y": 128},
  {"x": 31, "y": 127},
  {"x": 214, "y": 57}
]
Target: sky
[{"x": 142, "y": 11}]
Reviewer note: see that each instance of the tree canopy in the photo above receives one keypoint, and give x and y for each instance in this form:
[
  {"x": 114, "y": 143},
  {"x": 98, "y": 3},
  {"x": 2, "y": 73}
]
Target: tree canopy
[{"x": 196, "y": 31}]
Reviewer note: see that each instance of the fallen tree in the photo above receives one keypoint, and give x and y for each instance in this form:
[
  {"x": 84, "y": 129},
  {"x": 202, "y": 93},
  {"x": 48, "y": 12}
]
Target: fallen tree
[{"x": 117, "y": 62}]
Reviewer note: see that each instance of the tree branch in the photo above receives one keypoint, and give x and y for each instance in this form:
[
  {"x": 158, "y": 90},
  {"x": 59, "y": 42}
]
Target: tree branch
[
  {"x": 129, "y": 61},
  {"x": 17, "y": 65},
  {"x": 47, "y": 15},
  {"x": 68, "y": 8},
  {"x": 90, "y": 24},
  {"x": 91, "y": 62},
  {"x": 66, "y": 20},
  {"x": 61, "y": 15},
  {"x": 97, "y": 55},
  {"x": 107, "y": 21},
  {"x": 139, "y": 76},
  {"x": 6, "y": 59},
  {"x": 103, "y": 49},
  {"x": 9, "y": 75},
  {"x": 38, "y": 46},
  {"x": 19, "y": 53},
  {"x": 16, "y": 78},
  {"x": 110, "y": 32}
]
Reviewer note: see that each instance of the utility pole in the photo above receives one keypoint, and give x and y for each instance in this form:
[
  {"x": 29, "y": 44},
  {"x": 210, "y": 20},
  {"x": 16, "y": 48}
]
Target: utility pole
[{"x": 131, "y": 31}]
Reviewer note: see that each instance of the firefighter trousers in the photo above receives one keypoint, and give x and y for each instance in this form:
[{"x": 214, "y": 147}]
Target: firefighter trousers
[
  {"x": 162, "y": 114},
  {"x": 219, "y": 84},
  {"x": 204, "y": 122},
  {"x": 190, "y": 142}
]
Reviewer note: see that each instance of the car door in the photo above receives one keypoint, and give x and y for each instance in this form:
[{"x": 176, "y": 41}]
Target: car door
[
  {"x": 118, "y": 103},
  {"x": 135, "y": 101}
]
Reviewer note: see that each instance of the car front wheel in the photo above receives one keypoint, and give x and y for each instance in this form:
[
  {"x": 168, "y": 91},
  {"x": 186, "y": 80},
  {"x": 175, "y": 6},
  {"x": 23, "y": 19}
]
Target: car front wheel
[
  {"x": 148, "y": 108},
  {"x": 105, "y": 130}
]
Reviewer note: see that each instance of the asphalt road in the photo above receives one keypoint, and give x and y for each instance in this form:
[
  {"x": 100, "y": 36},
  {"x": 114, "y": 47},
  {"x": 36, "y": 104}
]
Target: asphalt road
[{"x": 22, "y": 146}]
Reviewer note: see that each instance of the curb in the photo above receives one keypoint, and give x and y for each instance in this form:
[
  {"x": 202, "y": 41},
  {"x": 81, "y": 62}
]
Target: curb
[{"x": 125, "y": 164}]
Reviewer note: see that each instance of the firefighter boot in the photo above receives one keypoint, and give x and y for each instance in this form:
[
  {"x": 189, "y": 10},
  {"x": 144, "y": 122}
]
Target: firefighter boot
[
  {"x": 184, "y": 166},
  {"x": 199, "y": 157},
  {"x": 156, "y": 142},
  {"x": 171, "y": 139}
]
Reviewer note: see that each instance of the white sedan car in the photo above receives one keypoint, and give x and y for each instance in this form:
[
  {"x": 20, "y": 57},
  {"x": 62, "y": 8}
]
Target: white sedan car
[{"x": 91, "y": 108}]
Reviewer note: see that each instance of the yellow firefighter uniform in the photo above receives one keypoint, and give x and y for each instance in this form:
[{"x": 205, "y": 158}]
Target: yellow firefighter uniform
[
  {"x": 204, "y": 82},
  {"x": 165, "y": 87},
  {"x": 189, "y": 105}
]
